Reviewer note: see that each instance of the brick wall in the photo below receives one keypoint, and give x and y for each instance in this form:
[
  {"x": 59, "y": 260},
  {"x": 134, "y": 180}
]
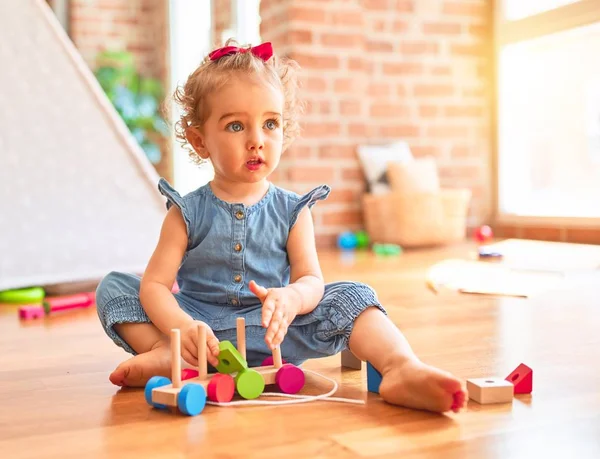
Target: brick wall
[
  {"x": 222, "y": 19},
  {"x": 139, "y": 26},
  {"x": 386, "y": 69}
]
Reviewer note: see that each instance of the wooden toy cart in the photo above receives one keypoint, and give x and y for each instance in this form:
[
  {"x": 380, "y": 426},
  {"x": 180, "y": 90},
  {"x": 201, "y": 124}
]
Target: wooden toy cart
[{"x": 233, "y": 375}]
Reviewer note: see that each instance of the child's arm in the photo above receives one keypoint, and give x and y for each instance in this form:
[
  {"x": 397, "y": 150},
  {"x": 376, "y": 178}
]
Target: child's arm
[
  {"x": 306, "y": 277},
  {"x": 158, "y": 279}
]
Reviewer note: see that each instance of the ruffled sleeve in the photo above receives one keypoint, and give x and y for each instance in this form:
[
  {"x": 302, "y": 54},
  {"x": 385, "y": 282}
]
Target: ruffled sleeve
[
  {"x": 309, "y": 199},
  {"x": 174, "y": 198}
]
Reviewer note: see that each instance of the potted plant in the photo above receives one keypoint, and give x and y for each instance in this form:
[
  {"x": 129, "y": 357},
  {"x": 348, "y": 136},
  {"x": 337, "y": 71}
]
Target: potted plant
[{"x": 136, "y": 99}]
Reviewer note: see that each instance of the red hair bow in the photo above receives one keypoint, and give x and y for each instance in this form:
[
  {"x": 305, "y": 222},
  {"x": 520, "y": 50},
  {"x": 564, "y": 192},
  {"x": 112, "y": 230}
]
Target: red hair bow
[{"x": 263, "y": 51}]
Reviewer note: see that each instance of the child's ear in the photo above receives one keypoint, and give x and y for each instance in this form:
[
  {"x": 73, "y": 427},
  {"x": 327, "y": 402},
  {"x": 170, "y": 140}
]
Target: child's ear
[{"x": 196, "y": 140}]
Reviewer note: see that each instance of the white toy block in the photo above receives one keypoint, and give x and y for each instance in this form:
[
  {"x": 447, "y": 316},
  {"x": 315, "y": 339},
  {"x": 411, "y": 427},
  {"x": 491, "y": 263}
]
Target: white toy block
[{"x": 490, "y": 390}]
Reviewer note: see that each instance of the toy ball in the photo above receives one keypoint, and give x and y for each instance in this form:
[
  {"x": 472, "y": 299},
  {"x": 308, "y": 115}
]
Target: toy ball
[
  {"x": 362, "y": 240},
  {"x": 483, "y": 234},
  {"x": 347, "y": 240}
]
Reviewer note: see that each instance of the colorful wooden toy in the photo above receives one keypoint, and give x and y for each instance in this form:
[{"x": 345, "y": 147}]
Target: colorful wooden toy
[
  {"x": 189, "y": 389},
  {"x": 23, "y": 296},
  {"x": 55, "y": 304},
  {"x": 349, "y": 360},
  {"x": 486, "y": 391},
  {"x": 483, "y": 234},
  {"x": 522, "y": 379},
  {"x": 373, "y": 379}
]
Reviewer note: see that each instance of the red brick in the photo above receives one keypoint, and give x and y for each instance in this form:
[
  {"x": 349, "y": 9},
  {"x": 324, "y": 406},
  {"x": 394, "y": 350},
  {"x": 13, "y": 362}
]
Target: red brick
[
  {"x": 338, "y": 151},
  {"x": 400, "y": 130},
  {"x": 341, "y": 40},
  {"x": 378, "y": 46},
  {"x": 429, "y": 111},
  {"x": 402, "y": 68},
  {"x": 473, "y": 10},
  {"x": 348, "y": 85},
  {"x": 447, "y": 131},
  {"x": 310, "y": 15},
  {"x": 315, "y": 129},
  {"x": 379, "y": 90},
  {"x": 300, "y": 37},
  {"x": 442, "y": 28},
  {"x": 315, "y": 84},
  {"x": 468, "y": 50},
  {"x": 343, "y": 196},
  {"x": 347, "y": 18},
  {"x": 312, "y": 174},
  {"x": 419, "y": 47},
  {"x": 419, "y": 151},
  {"x": 473, "y": 111},
  {"x": 350, "y": 107},
  {"x": 315, "y": 61},
  {"x": 434, "y": 90},
  {"x": 440, "y": 70},
  {"x": 353, "y": 174},
  {"x": 386, "y": 110}
]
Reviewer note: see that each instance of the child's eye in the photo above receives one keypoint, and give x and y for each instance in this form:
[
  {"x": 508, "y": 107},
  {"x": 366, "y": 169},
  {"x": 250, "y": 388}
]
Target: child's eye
[
  {"x": 234, "y": 127},
  {"x": 272, "y": 124}
]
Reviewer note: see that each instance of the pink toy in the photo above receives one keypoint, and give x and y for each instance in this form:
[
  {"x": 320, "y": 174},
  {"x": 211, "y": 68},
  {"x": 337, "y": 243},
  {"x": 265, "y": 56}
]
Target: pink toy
[
  {"x": 483, "y": 234},
  {"x": 290, "y": 379},
  {"x": 61, "y": 303},
  {"x": 522, "y": 378}
]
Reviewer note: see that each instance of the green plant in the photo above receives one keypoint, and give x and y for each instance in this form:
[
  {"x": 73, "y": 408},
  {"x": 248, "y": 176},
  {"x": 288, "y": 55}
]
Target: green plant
[{"x": 136, "y": 99}]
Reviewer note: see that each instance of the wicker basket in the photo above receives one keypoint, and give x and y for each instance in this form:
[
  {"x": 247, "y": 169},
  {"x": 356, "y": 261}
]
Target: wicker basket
[{"x": 416, "y": 220}]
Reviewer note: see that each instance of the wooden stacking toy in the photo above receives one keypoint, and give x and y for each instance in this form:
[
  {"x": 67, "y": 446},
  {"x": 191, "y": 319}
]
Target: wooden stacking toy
[{"x": 190, "y": 391}]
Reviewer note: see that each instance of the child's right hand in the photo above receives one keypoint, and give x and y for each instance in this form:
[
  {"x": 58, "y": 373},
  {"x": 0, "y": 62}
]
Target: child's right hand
[{"x": 189, "y": 343}]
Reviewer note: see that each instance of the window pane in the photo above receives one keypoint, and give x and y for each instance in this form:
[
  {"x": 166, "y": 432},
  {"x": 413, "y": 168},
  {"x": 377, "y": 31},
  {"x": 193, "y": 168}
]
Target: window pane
[
  {"x": 549, "y": 125},
  {"x": 519, "y": 9}
]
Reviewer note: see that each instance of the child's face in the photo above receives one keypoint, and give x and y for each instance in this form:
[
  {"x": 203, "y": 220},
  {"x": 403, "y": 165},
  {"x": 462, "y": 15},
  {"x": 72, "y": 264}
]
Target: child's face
[{"x": 243, "y": 136}]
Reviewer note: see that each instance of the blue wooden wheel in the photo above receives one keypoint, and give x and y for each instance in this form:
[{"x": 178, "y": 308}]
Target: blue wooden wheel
[
  {"x": 154, "y": 382},
  {"x": 191, "y": 399}
]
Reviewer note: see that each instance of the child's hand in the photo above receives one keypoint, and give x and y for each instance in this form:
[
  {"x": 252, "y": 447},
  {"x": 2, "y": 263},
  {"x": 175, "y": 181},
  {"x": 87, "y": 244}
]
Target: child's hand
[
  {"x": 189, "y": 343},
  {"x": 280, "y": 307}
]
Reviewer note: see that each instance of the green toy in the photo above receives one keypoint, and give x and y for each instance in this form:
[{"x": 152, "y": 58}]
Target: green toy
[
  {"x": 362, "y": 240},
  {"x": 230, "y": 360},
  {"x": 23, "y": 296},
  {"x": 387, "y": 249}
]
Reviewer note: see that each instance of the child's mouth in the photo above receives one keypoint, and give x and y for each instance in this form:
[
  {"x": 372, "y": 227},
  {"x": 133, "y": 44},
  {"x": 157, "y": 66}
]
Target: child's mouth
[{"x": 254, "y": 164}]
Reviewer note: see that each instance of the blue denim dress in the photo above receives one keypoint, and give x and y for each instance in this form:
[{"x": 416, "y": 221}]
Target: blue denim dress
[{"x": 229, "y": 245}]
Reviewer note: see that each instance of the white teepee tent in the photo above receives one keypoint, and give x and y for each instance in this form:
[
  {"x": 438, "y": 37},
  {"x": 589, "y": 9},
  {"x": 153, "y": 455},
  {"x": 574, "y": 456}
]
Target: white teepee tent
[{"x": 78, "y": 198}]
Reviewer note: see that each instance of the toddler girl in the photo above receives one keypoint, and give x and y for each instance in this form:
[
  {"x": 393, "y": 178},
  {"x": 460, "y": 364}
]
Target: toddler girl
[{"x": 240, "y": 246}]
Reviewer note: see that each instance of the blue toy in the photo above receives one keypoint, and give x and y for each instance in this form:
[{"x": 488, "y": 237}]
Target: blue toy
[
  {"x": 373, "y": 379},
  {"x": 347, "y": 240}
]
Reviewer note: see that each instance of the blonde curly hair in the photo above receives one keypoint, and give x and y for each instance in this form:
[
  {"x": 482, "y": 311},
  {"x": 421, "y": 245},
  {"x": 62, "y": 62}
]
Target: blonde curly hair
[{"x": 211, "y": 75}]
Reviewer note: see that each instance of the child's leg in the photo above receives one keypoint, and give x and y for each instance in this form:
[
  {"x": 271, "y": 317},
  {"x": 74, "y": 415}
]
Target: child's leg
[
  {"x": 124, "y": 320},
  {"x": 349, "y": 315},
  {"x": 406, "y": 380}
]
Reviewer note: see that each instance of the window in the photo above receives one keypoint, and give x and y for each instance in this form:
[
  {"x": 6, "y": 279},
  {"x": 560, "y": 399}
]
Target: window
[
  {"x": 548, "y": 110},
  {"x": 190, "y": 38}
]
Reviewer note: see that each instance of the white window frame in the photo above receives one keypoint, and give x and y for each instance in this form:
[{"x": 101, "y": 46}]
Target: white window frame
[{"x": 581, "y": 13}]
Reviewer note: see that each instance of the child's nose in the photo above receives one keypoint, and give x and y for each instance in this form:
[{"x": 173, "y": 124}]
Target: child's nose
[{"x": 255, "y": 141}]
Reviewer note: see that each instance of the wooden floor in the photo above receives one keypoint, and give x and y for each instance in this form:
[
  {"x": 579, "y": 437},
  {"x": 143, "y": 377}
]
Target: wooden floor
[{"x": 56, "y": 400}]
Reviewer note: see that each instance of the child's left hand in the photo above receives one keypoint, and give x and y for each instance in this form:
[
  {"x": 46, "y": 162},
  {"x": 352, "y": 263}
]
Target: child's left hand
[{"x": 280, "y": 307}]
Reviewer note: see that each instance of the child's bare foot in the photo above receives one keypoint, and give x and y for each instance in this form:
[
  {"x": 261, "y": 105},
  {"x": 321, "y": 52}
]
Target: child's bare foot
[
  {"x": 136, "y": 371},
  {"x": 415, "y": 385}
]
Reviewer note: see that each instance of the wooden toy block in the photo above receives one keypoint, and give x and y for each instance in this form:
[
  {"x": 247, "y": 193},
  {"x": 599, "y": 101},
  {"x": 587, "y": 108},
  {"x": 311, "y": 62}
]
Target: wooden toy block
[
  {"x": 373, "y": 379},
  {"x": 221, "y": 388},
  {"x": 241, "y": 336},
  {"x": 522, "y": 379},
  {"x": 349, "y": 360},
  {"x": 249, "y": 383},
  {"x": 230, "y": 360},
  {"x": 490, "y": 390}
]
